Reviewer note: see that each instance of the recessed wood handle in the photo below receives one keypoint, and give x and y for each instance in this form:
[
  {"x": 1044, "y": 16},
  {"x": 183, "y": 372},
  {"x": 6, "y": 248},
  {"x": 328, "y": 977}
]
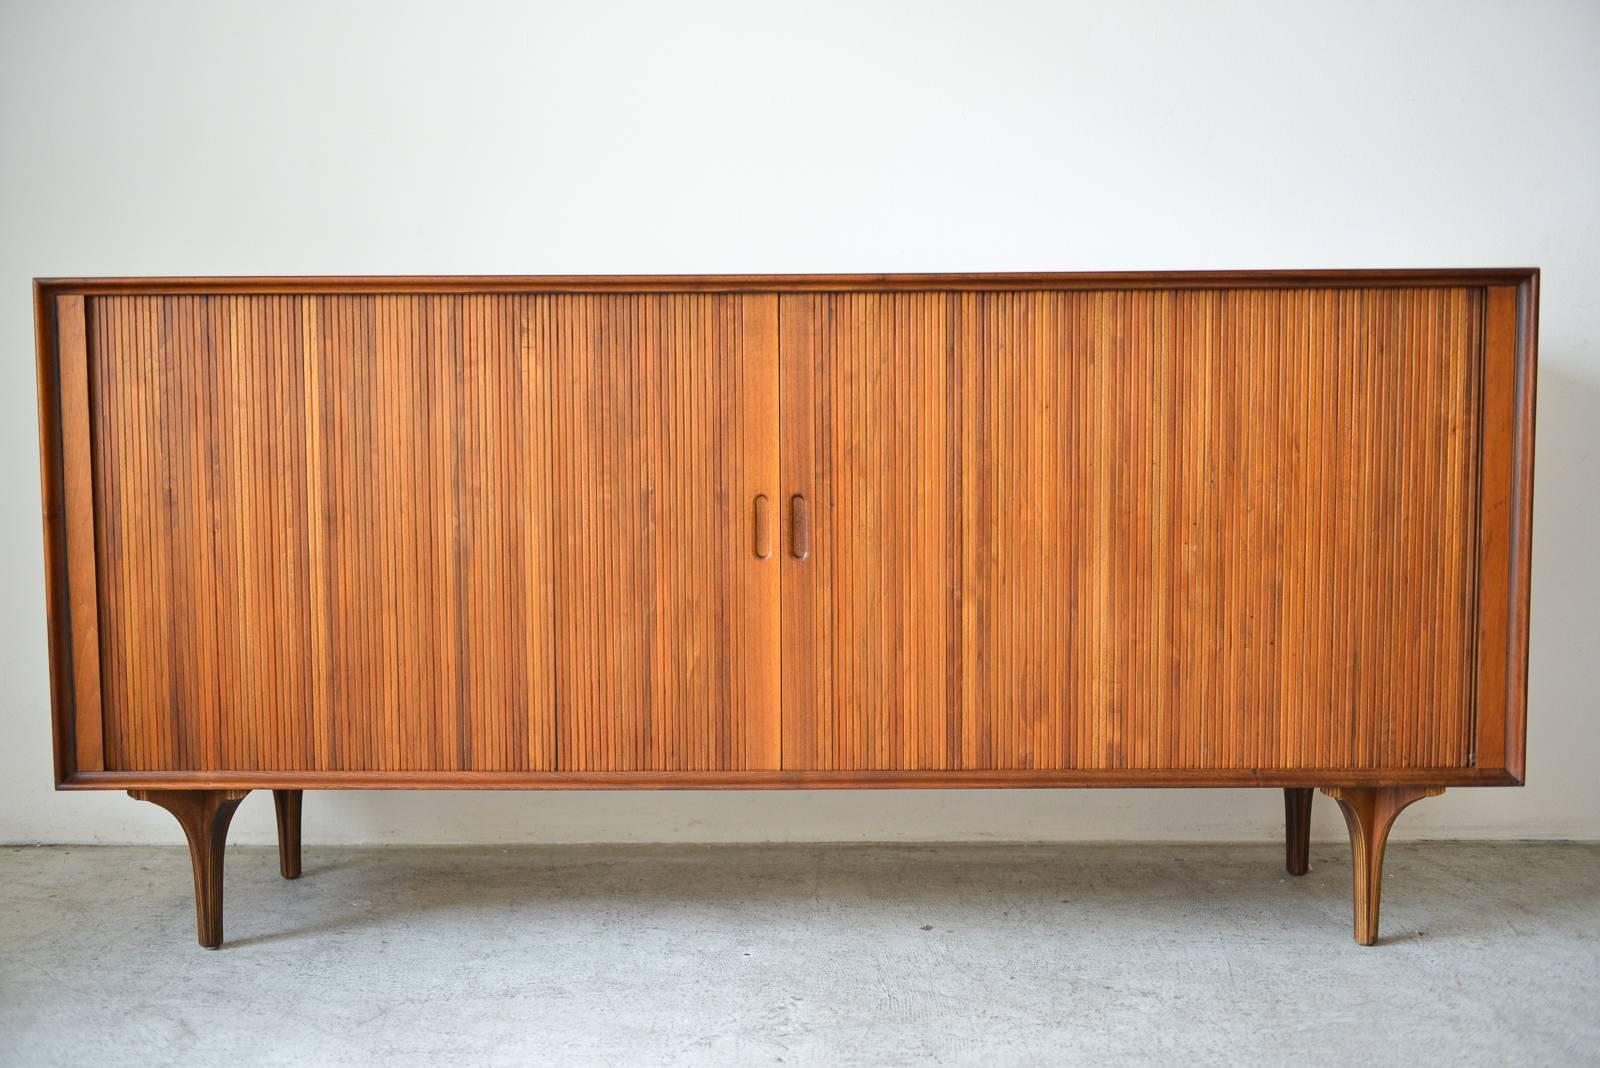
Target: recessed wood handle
[
  {"x": 799, "y": 527},
  {"x": 763, "y": 524}
]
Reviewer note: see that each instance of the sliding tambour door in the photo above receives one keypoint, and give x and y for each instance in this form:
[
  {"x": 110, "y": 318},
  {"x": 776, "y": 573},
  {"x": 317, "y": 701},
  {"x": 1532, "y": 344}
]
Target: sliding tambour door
[
  {"x": 1132, "y": 529},
  {"x": 447, "y": 532},
  {"x": 666, "y": 619},
  {"x": 324, "y": 532}
]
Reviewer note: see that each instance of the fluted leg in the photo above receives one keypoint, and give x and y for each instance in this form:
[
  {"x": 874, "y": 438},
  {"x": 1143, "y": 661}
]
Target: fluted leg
[
  {"x": 204, "y": 816},
  {"x": 1369, "y": 812},
  {"x": 1297, "y": 829},
  {"x": 287, "y": 802}
]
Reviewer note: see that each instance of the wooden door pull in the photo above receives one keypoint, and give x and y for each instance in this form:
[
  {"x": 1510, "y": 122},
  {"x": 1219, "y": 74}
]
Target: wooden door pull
[
  {"x": 799, "y": 527},
  {"x": 763, "y": 539}
]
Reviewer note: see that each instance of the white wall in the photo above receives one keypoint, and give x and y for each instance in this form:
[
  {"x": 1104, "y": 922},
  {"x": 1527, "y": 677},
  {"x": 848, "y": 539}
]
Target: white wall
[{"x": 327, "y": 138}]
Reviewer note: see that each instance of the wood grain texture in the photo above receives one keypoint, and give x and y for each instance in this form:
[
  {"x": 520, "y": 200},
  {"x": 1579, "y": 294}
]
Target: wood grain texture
[
  {"x": 1525, "y": 356},
  {"x": 990, "y": 282},
  {"x": 288, "y": 529},
  {"x": 52, "y": 500},
  {"x": 1124, "y": 530},
  {"x": 1209, "y": 528},
  {"x": 312, "y": 531},
  {"x": 1003, "y": 778},
  {"x": 434, "y": 532},
  {"x": 1369, "y": 815},
  {"x": 205, "y": 816},
  {"x": 287, "y": 806},
  {"x": 82, "y": 586},
  {"x": 1496, "y": 737},
  {"x": 666, "y": 623},
  {"x": 1297, "y": 830}
]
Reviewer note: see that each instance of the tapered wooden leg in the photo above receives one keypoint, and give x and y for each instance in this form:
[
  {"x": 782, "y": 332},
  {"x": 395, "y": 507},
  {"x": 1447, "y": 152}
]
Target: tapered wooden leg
[
  {"x": 1369, "y": 812},
  {"x": 204, "y": 816},
  {"x": 287, "y": 802},
  {"x": 1297, "y": 829}
]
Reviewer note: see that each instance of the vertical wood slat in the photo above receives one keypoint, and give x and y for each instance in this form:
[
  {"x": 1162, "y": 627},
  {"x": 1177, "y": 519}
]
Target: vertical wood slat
[
  {"x": 804, "y": 684},
  {"x": 333, "y": 589},
  {"x": 1282, "y": 596},
  {"x": 665, "y": 416},
  {"x": 72, "y": 347},
  {"x": 416, "y": 532},
  {"x": 754, "y": 398},
  {"x": 278, "y": 542}
]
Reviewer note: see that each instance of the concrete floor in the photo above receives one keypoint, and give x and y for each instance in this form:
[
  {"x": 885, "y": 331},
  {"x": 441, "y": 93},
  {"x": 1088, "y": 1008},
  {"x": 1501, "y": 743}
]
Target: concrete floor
[{"x": 802, "y": 955}]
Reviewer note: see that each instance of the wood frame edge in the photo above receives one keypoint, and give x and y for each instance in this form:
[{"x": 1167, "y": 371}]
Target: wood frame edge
[
  {"x": 68, "y": 776},
  {"x": 1516, "y": 731},
  {"x": 53, "y": 512},
  {"x": 876, "y": 282},
  {"x": 77, "y": 522},
  {"x": 778, "y": 780},
  {"x": 1501, "y": 720}
]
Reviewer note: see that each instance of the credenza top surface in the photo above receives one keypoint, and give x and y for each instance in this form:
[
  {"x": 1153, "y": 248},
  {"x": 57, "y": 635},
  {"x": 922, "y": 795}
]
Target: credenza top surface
[{"x": 710, "y": 283}]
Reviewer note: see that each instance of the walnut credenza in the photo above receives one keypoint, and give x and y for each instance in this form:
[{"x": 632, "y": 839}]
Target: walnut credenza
[{"x": 1262, "y": 529}]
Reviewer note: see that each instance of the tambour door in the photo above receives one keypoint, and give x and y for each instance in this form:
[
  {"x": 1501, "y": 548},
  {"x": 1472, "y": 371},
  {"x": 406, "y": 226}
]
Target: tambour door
[
  {"x": 666, "y": 618},
  {"x": 1118, "y": 529},
  {"x": 439, "y": 532},
  {"x": 323, "y": 532}
]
